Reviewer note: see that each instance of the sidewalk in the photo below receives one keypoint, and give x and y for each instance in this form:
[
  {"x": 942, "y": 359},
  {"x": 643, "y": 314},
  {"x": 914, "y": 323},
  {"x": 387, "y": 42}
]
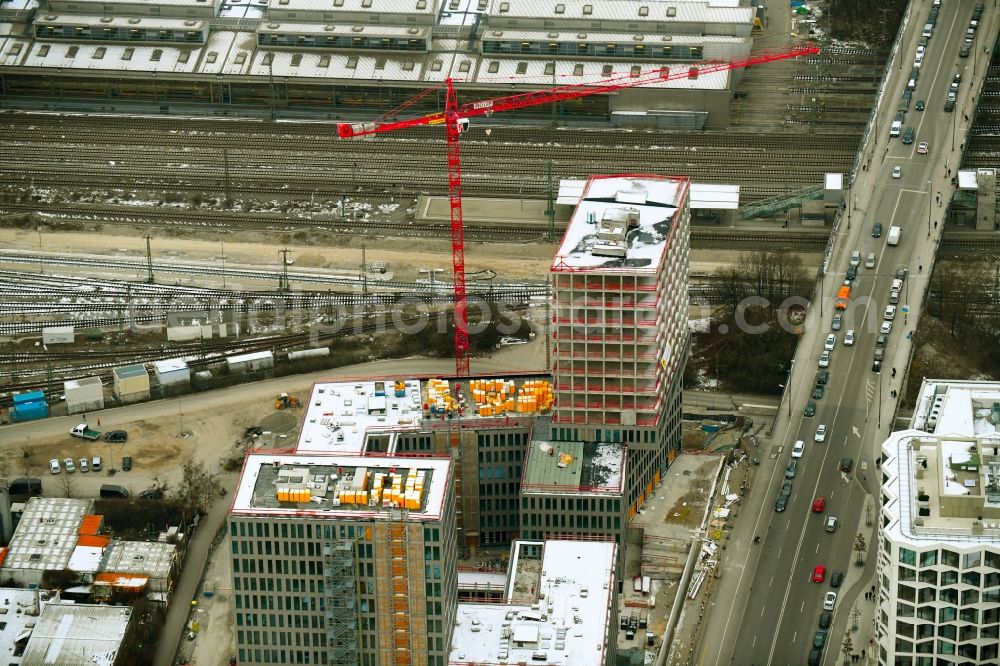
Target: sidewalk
[{"x": 189, "y": 581}]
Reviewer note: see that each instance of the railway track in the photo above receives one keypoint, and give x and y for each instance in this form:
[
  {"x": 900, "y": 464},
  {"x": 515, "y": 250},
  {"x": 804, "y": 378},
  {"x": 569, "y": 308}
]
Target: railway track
[{"x": 307, "y": 158}]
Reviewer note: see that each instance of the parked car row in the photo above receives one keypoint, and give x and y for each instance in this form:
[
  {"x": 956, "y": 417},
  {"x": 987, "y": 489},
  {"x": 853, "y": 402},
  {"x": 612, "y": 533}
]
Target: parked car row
[{"x": 56, "y": 466}]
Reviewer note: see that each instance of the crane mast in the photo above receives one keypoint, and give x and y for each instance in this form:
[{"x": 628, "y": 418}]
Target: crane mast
[{"x": 455, "y": 119}]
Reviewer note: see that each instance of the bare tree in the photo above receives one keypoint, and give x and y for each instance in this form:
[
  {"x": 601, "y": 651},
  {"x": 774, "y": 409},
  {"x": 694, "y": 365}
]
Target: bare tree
[
  {"x": 859, "y": 549},
  {"x": 197, "y": 487},
  {"x": 770, "y": 274},
  {"x": 27, "y": 461},
  {"x": 66, "y": 481},
  {"x": 847, "y": 648}
]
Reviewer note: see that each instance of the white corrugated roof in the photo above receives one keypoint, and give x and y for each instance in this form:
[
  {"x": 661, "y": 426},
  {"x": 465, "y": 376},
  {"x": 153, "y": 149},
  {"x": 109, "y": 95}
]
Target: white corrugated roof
[
  {"x": 624, "y": 10},
  {"x": 533, "y": 71},
  {"x": 77, "y": 635},
  {"x": 57, "y": 56},
  {"x": 170, "y": 365},
  {"x": 286, "y": 27},
  {"x": 375, "y": 7},
  {"x": 121, "y": 21},
  {"x": 573, "y": 35},
  {"x": 715, "y": 197}
]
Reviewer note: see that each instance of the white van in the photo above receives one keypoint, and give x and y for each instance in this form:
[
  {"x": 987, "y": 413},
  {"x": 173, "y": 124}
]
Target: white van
[
  {"x": 897, "y": 127},
  {"x": 928, "y": 29},
  {"x": 894, "y": 233}
]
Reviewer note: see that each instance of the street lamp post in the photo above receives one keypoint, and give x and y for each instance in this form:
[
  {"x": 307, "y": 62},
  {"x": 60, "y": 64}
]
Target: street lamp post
[
  {"x": 928, "y": 208},
  {"x": 879, "y": 398}
]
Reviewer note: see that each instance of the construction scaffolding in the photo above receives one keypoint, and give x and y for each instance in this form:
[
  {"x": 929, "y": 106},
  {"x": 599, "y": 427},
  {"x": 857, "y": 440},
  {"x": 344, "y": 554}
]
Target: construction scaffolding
[
  {"x": 402, "y": 608},
  {"x": 340, "y": 585}
]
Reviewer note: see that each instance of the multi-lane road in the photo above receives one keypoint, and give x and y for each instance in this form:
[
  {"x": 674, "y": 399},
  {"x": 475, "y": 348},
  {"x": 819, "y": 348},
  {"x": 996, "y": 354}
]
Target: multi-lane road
[{"x": 773, "y": 614}]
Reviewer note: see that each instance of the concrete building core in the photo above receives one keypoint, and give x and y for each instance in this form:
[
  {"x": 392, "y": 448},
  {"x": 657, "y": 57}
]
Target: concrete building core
[{"x": 620, "y": 338}]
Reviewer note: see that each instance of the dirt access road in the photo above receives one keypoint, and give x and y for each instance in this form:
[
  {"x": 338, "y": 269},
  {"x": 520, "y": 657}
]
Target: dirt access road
[{"x": 213, "y": 421}]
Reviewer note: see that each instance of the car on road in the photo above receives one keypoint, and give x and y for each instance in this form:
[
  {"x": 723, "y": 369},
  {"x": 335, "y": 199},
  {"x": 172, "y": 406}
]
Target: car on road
[
  {"x": 54, "y": 466},
  {"x": 815, "y": 657},
  {"x": 786, "y": 488},
  {"x": 822, "y": 377},
  {"x": 949, "y": 104},
  {"x": 810, "y": 409},
  {"x": 870, "y": 260},
  {"x": 116, "y": 436},
  {"x": 818, "y": 391},
  {"x": 84, "y": 465},
  {"x": 846, "y": 465},
  {"x": 95, "y": 464},
  {"x": 127, "y": 464},
  {"x": 921, "y": 51},
  {"x": 890, "y": 313},
  {"x": 920, "y": 106},
  {"x": 829, "y": 601},
  {"x": 877, "y": 230},
  {"x": 852, "y": 273},
  {"x": 849, "y": 337},
  {"x": 791, "y": 469},
  {"x": 820, "y": 435},
  {"x": 855, "y": 258},
  {"x": 897, "y": 171},
  {"x": 838, "y": 322},
  {"x": 819, "y": 639},
  {"x": 963, "y": 53},
  {"x": 824, "y": 359},
  {"x": 922, "y": 148},
  {"x": 69, "y": 464},
  {"x": 830, "y": 524},
  {"x": 877, "y": 366},
  {"x": 885, "y": 328},
  {"x": 825, "y": 619},
  {"x": 836, "y": 578},
  {"x": 781, "y": 503},
  {"x": 798, "y": 449},
  {"x": 819, "y": 505},
  {"x": 819, "y": 574},
  {"x": 831, "y": 342},
  {"x": 880, "y": 341}
]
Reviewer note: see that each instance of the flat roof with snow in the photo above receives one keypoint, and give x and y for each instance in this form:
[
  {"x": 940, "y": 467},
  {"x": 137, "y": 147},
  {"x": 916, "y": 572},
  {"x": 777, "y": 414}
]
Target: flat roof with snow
[
  {"x": 47, "y": 533},
  {"x": 567, "y": 617},
  {"x": 331, "y": 486},
  {"x": 170, "y": 365},
  {"x": 341, "y": 415},
  {"x": 621, "y": 223},
  {"x": 20, "y": 608},
  {"x": 943, "y": 473},
  {"x": 574, "y": 466}
]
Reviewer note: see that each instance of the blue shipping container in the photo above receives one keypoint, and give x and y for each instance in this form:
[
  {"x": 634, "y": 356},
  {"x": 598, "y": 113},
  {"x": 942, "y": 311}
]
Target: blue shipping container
[
  {"x": 30, "y": 396},
  {"x": 29, "y": 411}
]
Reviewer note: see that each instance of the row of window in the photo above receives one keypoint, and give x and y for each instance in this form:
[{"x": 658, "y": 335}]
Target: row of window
[
  {"x": 950, "y": 558},
  {"x": 943, "y": 647},
  {"x": 594, "y": 50},
  {"x": 950, "y": 577},
  {"x": 279, "y": 585},
  {"x": 282, "y": 638},
  {"x": 597, "y": 523},
  {"x": 342, "y": 42},
  {"x": 277, "y": 656},
  {"x": 964, "y": 633},
  {"x": 119, "y": 34},
  {"x": 310, "y": 604},
  {"x": 925, "y": 595}
]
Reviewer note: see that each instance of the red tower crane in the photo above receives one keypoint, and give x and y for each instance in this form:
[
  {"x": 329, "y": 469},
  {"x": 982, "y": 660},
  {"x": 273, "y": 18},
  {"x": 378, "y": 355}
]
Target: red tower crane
[{"x": 455, "y": 119}]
